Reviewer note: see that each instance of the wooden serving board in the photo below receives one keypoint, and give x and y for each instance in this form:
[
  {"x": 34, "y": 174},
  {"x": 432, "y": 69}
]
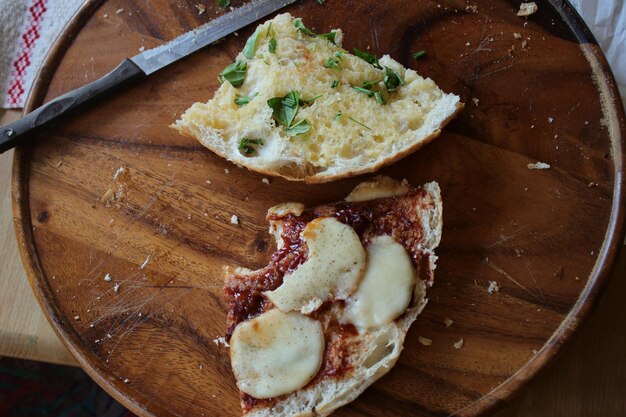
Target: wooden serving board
[{"x": 160, "y": 227}]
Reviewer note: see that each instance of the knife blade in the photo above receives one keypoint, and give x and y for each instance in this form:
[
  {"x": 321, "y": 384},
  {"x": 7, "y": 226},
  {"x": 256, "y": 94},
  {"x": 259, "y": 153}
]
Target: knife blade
[{"x": 139, "y": 66}]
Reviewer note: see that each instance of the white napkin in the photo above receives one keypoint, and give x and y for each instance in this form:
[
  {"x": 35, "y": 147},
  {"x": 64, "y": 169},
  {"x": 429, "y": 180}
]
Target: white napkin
[{"x": 29, "y": 27}]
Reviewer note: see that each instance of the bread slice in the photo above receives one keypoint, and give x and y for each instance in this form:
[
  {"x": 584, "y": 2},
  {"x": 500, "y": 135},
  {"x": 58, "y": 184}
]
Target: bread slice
[
  {"x": 352, "y": 361},
  {"x": 349, "y": 131}
]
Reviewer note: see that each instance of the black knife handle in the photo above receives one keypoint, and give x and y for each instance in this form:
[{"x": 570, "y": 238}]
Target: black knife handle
[{"x": 11, "y": 134}]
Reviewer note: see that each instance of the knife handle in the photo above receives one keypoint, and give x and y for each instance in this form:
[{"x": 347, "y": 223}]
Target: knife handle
[{"x": 12, "y": 134}]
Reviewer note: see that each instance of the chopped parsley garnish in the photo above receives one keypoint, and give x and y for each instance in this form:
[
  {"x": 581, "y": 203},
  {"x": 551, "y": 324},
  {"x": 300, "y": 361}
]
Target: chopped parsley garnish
[
  {"x": 359, "y": 123},
  {"x": 367, "y": 57},
  {"x": 369, "y": 84},
  {"x": 419, "y": 54},
  {"x": 338, "y": 116},
  {"x": 285, "y": 108},
  {"x": 365, "y": 91},
  {"x": 249, "y": 146},
  {"x": 308, "y": 100},
  {"x": 379, "y": 98},
  {"x": 334, "y": 84},
  {"x": 235, "y": 73},
  {"x": 269, "y": 30},
  {"x": 299, "y": 128},
  {"x": 321, "y": 2},
  {"x": 243, "y": 100},
  {"x": 332, "y": 63},
  {"x": 223, "y": 3},
  {"x": 250, "y": 47},
  {"x": 272, "y": 45},
  {"x": 393, "y": 80},
  {"x": 300, "y": 26}
]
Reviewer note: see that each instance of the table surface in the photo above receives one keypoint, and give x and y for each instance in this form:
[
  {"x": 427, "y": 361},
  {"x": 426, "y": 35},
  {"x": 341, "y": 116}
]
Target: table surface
[{"x": 589, "y": 378}]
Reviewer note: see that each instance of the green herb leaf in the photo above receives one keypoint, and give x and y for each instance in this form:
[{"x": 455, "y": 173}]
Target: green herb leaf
[
  {"x": 379, "y": 98},
  {"x": 235, "y": 73},
  {"x": 249, "y": 146},
  {"x": 321, "y": 2},
  {"x": 299, "y": 128},
  {"x": 223, "y": 3},
  {"x": 285, "y": 108},
  {"x": 367, "y": 57},
  {"x": 300, "y": 26},
  {"x": 369, "y": 84},
  {"x": 359, "y": 123},
  {"x": 269, "y": 30},
  {"x": 243, "y": 100},
  {"x": 332, "y": 63},
  {"x": 330, "y": 36},
  {"x": 419, "y": 54},
  {"x": 393, "y": 79},
  {"x": 338, "y": 115},
  {"x": 334, "y": 84},
  {"x": 365, "y": 91},
  {"x": 250, "y": 47},
  {"x": 308, "y": 100},
  {"x": 272, "y": 46}
]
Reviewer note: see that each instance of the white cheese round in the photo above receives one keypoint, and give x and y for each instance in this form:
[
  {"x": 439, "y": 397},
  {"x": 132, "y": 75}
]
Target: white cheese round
[
  {"x": 276, "y": 353},
  {"x": 333, "y": 269},
  {"x": 386, "y": 288}
]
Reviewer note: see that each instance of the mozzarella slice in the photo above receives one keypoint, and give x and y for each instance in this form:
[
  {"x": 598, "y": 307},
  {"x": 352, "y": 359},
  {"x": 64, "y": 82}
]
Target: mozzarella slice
[
  {"x": 379, "y": 187},
  {"x": 276, "y": 353},
  {"x": 386, "y": 288},
  {"x": 334, "y": 267}
]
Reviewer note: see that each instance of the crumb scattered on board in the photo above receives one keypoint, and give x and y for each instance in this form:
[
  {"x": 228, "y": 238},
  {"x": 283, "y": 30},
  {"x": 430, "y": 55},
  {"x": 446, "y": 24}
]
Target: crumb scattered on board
[
  {"x": 119, "y": 11},
  {"x": 226, "y": 171},
  {"x": 234, "y": 219},
  {"x": 475, "y": 101},
  {"x": 458, "y": 344},
  {"x": 539, "y": 165},
  {"x": 447, "y": 322},
  {"x": 527, "y": 9},
  {"x": 221, "y": 341},
  {"x": 425, "y": 341},
  {"x": 107, "y": 277},
  {"x": 116, "y": 288},
  {"x": 126, "y": 380},
  {"x": 493, "y": 287},
  {"x": 201, "y": 8},
  {"x": 265, "y": 181},
  {"x": 517, "y": 35}
]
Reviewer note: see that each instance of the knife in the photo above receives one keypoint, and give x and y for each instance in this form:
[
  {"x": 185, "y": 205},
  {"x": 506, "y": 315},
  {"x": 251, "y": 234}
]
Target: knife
[{"x": 138, "y": 67}]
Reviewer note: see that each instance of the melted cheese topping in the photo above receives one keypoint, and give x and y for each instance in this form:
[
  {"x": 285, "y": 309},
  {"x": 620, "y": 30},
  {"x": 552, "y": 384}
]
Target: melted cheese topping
[
  {"x": 333, "y": 269},
  {"x": 380, "y": 187},
  {"x": 385, "y": 292},
  {"x": 276, "y": 353}
]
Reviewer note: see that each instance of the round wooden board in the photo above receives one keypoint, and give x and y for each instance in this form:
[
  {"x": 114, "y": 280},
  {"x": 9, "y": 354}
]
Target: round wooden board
[{"x": 548, "y": 237}]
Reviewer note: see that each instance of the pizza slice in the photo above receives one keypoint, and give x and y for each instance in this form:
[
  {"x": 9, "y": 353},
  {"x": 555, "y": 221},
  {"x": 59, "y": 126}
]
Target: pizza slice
[{"x": 328, "y": 315}]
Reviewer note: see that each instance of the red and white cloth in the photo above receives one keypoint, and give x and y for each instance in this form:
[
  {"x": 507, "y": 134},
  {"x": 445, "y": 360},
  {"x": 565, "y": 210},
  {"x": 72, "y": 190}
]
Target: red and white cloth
[{"x": 28, "y": 29}]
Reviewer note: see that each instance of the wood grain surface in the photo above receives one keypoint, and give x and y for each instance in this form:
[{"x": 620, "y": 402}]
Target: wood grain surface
[{"x": 161, "y": 229}]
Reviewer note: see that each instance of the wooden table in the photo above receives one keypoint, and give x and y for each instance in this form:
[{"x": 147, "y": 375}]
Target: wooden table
[{"x": 588, "y": 379}]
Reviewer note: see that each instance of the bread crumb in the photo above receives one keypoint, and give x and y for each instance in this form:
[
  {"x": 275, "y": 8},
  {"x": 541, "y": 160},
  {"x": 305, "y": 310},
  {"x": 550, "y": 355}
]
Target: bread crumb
[
  {"x": 550, "y": 120},
  {"x": 208, "y": 182},
  {"x": 473, "y": 8},
  {"x": 593, "y": 184},
  {"x": 524, "y": 43},
  {"x": 493, "y": 287},
  {"x": 116, "y": 288},
  {"x": 119, "y": 11},
  {"x": 475, "y": 101},
  {"x": 226, "y": 171},
  {"x": 143, "y": 265},
  {"x": 558, "y": 274},
  {"x": 234, "y": 219},
  {"x": 107, "y": 277},
  {"x": 425, "y": 341},
  {"x": 106, "y": 16},
  {"x": 201, "y": 366},
  {"x": 458, "y": 344},
  {"x": 142, "y": 48},
  {"x": 126, "y": 380},
  {"x": 76, "y": 318},
  {"x": 447, "y": 322},
  {"x": 221, "y": 341},
  {"x": 201, "y": 8},
  {"x": 517, "y": 35},
  {"x": 535, "y": 351},
  {"x": 577, "y": 278},
  {"x": 265, "y": 181},
  {"x": 539, "y": 165},
  {"x": 527, "y": 9}
]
